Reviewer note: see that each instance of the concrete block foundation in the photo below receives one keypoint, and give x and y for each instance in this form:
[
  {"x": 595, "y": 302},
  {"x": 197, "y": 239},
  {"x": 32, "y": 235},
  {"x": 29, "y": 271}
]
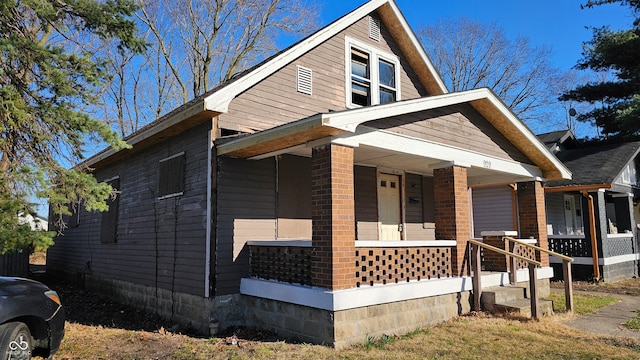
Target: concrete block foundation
[{"x": 348, "y": 327}]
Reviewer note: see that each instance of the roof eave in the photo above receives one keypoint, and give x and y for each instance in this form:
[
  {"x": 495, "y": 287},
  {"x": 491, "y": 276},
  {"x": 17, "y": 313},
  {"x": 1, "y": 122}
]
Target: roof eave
[{"x": 196, "y": 111}]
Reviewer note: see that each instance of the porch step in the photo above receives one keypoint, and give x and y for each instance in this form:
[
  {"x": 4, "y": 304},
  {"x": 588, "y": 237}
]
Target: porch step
[
  {"x": 523, "y": 307},
  {"x": 511, "y": 300},
  {"x": 500, "y": 295}
]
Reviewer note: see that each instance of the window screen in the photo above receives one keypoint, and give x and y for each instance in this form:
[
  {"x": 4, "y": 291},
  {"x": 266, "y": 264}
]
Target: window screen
[
  {"x": 171, "y": 177},
  {"x": 109, "y": 223}
]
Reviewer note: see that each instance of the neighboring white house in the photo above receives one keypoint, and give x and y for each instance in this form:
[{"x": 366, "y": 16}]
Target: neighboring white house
[{"x": 37, "y": 223}]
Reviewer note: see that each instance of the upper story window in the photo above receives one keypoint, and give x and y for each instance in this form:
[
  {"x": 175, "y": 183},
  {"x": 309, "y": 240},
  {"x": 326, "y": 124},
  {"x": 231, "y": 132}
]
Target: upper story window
[{"x": 373, "y": 77}]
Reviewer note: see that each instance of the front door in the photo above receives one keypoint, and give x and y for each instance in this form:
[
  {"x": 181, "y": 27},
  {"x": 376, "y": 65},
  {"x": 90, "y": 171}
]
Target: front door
[{"x": 389, "y": 207}]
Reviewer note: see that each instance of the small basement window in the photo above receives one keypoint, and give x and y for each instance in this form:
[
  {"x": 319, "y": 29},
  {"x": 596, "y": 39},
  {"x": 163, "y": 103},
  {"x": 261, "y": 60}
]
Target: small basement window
[{"x": 171, "y": 176}]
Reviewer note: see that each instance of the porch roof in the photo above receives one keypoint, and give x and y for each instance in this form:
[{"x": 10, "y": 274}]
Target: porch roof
[{"x": 388, "y": 149}]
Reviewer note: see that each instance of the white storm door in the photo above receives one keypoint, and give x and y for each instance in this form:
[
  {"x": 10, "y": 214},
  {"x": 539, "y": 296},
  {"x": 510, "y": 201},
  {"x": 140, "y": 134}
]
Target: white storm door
[{"x": 389, "y": 207}]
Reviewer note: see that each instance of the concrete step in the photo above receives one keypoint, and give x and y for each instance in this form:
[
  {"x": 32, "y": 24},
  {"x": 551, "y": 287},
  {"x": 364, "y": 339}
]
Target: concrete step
[
  {"x": 501, "y": 295},
  {"x": 523, "y": 307}
]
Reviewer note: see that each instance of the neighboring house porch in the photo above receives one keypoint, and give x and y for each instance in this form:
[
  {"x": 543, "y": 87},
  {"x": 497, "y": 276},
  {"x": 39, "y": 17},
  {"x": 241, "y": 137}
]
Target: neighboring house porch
[{"x": 592, "y": 217}]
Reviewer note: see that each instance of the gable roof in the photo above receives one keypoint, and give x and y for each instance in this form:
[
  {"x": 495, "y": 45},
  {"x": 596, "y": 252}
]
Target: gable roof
[
  {"x": 596, "y": 165},
  {"x": 343, "y": 122},
  {"x": 217, "y": 100},
  {"x": 390, "y": 14},
  {"x": 556, "y": 138}
]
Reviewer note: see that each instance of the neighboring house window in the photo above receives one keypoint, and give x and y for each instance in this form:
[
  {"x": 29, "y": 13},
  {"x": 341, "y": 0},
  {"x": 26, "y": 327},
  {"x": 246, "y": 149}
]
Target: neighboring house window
[
  {"x": 373, "y": 76},
  {"x": 573, "y": 215},
  {"x": 171, "y": 177},
  {"x": 109, "y": 223},
  {"x": 630, "y": 174}
]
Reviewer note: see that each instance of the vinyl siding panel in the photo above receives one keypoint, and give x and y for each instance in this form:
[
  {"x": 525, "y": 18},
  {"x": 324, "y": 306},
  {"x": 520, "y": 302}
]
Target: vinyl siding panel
[
  {"x": 246, "y": 211},
  {"x": 275, "y": 100},
  {"x": 492, "y": 209},
  {"x": 459, "y": 125},
  {"x": 294, "y": 197},
  {"x": 366, "y": 203},
  {"x": 159, "y": 242},
  {"x": 417, "y": 227}
]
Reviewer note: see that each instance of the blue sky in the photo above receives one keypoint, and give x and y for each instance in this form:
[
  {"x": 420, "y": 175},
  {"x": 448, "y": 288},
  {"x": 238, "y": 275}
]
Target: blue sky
[{"x": 559, "y": 24}]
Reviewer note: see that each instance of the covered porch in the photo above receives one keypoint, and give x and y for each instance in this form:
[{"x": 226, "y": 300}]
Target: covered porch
[
  {"x": 395, "y": 240},
  {"x": 596, "y": 226}
]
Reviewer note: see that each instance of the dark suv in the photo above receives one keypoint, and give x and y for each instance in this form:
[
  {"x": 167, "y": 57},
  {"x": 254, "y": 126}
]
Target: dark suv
[{"x": 31, "y": 319}]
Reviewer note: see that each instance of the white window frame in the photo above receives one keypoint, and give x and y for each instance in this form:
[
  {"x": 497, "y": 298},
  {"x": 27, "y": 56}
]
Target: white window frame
[{"x": 375, "y": 55}]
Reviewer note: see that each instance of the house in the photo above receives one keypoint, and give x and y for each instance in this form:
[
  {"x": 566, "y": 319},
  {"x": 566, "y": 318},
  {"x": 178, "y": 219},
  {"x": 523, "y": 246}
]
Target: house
[
  {"x": 323, "y": 194},
  {"x": 36, "y": 223},
  {"x": 593, "y": 216}
]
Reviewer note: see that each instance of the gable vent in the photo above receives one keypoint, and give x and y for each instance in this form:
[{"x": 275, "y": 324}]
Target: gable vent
[
  {"x": 305, "y": 77},
  {"x": 374, "y": 28}
]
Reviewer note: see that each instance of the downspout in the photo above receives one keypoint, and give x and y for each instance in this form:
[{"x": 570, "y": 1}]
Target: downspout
[
  {"x": 514, "y": 207},
  {"x": 592, "y": 232},
  {"x": 207, "y": 264}
]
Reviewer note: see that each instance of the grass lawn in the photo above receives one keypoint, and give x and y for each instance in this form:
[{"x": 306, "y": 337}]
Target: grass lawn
[
  {"x": 470, "y": 337},
  {"x": 582, "y": 304},
  {"x": 476, "y": 336},
  {"x": 634, "y": 323}
]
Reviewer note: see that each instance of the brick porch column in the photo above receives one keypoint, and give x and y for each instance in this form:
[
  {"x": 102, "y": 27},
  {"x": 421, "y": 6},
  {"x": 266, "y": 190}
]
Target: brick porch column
[
  {"x": 333, "y": 217},
  {"x": 533, "y": 219},
  {"x": 453, "y": 213}
]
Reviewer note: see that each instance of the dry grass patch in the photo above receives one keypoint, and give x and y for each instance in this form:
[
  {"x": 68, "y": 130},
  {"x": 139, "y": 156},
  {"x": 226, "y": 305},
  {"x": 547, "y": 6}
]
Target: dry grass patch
[
  {"x": 470, "y": 337},
  {"x": 622, "y": 287}
]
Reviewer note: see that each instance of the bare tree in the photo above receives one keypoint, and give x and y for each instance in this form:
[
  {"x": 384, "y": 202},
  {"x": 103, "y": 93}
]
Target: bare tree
[
  {"x": 194, "y": 45},
  {"x": 470, "y": 55},
  {"x": 203, "y": 43}
]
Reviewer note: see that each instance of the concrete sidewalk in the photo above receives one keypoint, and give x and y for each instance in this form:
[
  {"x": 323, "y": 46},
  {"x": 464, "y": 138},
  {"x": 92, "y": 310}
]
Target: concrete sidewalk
[{"x": 609, "y": 319}]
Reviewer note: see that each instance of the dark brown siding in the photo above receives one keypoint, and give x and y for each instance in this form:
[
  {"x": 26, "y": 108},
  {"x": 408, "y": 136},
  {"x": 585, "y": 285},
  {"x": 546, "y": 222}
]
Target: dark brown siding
[
  {"x": 294, "y": 197},
  {"x": 275, "y": 100},
  {"x": 246, "y": 211},
  {"x": 492, "y": 209},
  {"x": 159, "y": 242},
  {"x": 366, "y": 203},
  {"x": 460, "y": 126}
]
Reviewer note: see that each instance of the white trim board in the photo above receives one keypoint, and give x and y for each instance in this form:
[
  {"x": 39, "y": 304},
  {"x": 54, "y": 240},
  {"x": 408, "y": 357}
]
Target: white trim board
[
  {"x": 372, "y": 295},
  {"x": 601, "y": 261},
  {"x": 388, "y": 140}
]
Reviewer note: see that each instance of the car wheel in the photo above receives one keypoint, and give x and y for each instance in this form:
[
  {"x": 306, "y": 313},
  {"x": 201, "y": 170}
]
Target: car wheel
[{"x": 15, "y": 341}]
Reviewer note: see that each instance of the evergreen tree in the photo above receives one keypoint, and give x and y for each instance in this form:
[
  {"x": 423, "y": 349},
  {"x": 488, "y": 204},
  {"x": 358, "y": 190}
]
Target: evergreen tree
[
  {"x": 48, "y": 74},
  {"x": 616, "y": 101}
]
